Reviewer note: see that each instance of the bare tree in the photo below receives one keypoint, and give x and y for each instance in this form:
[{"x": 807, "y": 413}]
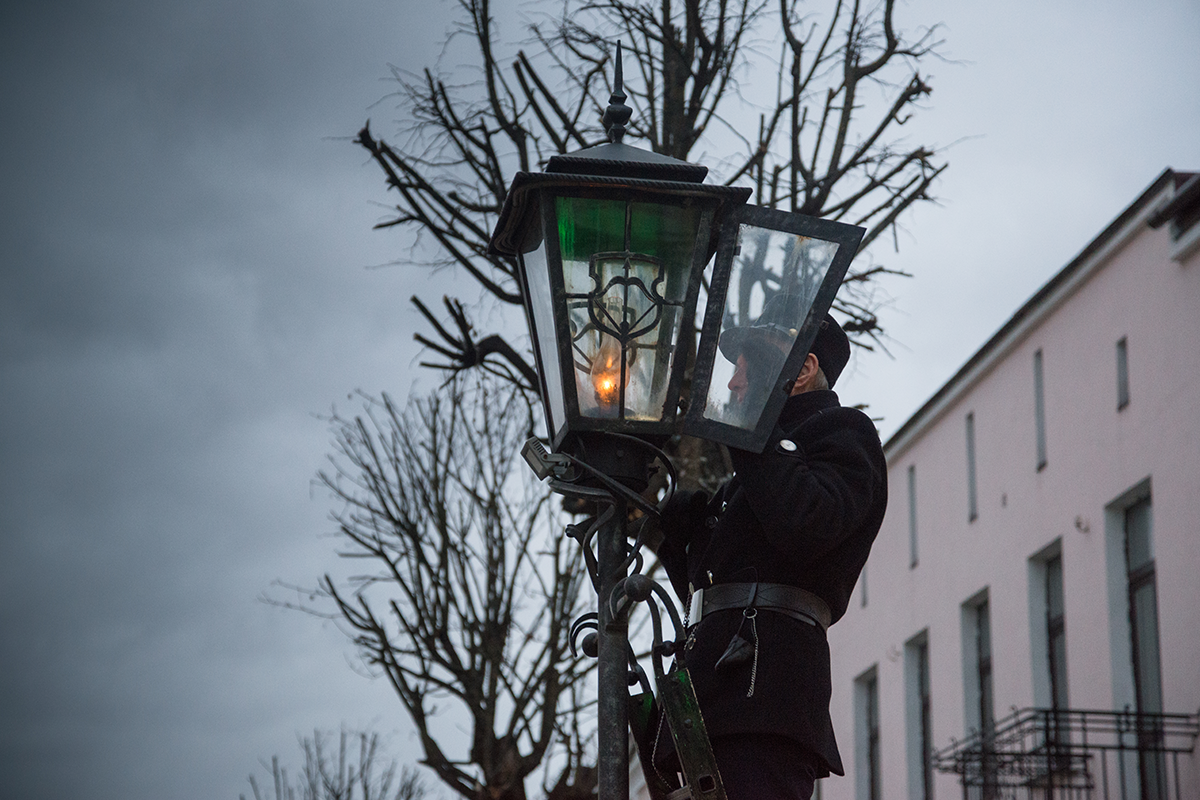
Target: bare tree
[
  {"x": 829, "y": 89},
  {"x": 468, "y": 608},
  {"x": 344, "y": 775}
]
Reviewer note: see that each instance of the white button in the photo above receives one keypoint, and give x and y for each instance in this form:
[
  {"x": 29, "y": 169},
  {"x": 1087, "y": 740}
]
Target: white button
[{"x": 788, "y": 444}]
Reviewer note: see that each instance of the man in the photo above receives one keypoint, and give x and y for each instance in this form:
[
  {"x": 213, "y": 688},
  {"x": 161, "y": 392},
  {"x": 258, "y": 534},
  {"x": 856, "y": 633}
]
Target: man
[{"x": 775, "y": 554}]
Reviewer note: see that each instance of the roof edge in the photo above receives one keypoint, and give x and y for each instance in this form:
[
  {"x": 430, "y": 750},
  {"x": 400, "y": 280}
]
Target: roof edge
[{"x": 1187, "y": 194}]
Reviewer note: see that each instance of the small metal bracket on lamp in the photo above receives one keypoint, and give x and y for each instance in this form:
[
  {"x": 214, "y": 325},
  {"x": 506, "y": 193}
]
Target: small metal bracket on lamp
[{"x": 544, "y": 463}]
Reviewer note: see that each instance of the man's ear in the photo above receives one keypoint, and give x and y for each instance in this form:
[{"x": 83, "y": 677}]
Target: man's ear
[{"x": 808, "y": 372}]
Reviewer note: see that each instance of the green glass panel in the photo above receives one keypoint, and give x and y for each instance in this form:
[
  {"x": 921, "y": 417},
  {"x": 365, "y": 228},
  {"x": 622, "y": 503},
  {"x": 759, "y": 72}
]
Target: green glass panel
[
  {"x": 669, "y": 234},
  {"x": 587, "y": 225}
]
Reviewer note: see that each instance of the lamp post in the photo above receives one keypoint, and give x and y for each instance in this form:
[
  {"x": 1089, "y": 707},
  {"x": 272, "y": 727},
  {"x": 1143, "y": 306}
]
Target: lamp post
[{"x": 613, "y": 244}]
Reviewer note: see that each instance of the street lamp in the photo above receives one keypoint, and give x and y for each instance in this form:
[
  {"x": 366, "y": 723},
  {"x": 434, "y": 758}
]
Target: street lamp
[{"x": 614, "y": 245}]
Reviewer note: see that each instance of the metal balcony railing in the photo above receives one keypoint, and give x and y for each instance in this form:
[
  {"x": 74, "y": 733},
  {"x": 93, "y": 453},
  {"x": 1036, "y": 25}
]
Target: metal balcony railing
[{"x": 1069, "y": 754}]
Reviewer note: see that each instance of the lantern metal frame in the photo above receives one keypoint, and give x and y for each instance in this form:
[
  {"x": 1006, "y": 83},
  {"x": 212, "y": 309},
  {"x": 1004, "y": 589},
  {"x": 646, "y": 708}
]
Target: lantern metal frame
[{"x": 530, "y": 211}]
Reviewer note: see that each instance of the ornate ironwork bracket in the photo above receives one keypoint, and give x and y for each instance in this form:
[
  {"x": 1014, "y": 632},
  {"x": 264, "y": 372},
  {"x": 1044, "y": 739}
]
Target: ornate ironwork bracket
[{"x": 616, "y": 567}]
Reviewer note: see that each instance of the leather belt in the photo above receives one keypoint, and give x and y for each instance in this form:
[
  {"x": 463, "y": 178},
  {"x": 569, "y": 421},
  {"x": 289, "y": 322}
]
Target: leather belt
[{"x": 791, "y": 601}]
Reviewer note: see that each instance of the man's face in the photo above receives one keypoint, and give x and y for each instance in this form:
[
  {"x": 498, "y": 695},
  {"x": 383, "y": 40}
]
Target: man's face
[
  {"x": 766, "y": 353},
  {"x": 740, "y": 382},
  {"x": 754, "y": 374},
  {"x": 746, "y": 372}
]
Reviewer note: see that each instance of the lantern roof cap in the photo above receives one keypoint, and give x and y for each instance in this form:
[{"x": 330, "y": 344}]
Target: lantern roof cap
[{"x": 619, "y": 160}]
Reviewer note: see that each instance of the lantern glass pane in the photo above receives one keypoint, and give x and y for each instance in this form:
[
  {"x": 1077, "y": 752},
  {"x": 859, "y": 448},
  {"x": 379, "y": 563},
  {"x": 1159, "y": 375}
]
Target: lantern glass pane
[
  {"x": 542, "y": 309},
  {"x": 625, "y": 273},
  {"x": 773, "y": 283}
]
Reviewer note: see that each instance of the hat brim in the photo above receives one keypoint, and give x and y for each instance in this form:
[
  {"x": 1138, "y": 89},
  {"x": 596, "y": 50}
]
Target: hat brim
[{"x": 735, "y": 341}]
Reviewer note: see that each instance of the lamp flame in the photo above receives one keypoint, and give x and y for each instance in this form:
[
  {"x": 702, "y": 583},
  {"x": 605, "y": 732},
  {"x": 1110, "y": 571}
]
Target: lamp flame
[{"x": 606, "y": 372}]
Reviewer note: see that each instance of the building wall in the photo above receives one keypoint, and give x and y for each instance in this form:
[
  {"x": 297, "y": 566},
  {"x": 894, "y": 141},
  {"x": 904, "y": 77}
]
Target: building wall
[{"x": 1123, "y": 285}]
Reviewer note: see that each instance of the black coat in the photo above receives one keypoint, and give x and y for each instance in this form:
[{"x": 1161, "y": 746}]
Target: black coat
[{"x": 806, "y": 517}]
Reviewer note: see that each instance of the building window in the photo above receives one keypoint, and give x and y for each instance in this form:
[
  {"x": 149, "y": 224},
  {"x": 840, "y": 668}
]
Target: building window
[
  {"x": 912, "y": 516},
  {"x": 977, "y": 673},
  {"x": 1039, "y": 410},
  {"x": 972, "y": 497},
  {"x": 1057, "y": 725},
  {"x": 866, "y": 739},
  {"x": 918, "y": 717},
  {"x": 983, "y": 672},
  {"x": 862, "y": 586},
  {"x": 1048, "y": 645},
  {"x": 1143, "y": 626},
  {"x": 1122, "y": 374},
  {"x": 1048, "y": 628},
  {"x": 1056, "y": 633}
]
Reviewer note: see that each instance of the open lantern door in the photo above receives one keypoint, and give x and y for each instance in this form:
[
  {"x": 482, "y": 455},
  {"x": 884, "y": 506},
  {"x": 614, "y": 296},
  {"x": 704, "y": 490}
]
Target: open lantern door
[{"x": 803, "y": 261}]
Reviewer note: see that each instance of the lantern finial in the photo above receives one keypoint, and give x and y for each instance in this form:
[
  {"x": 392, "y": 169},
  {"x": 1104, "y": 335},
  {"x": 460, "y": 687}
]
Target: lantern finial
[{"x": 617, "y": 113}]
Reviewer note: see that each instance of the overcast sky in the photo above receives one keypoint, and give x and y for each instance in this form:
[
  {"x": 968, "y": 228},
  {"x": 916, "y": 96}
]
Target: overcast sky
[{"x": 186, "y": 284}]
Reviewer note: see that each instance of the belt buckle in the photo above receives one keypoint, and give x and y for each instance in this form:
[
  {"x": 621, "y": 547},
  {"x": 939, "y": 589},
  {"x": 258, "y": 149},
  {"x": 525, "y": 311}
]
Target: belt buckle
[{"x": 696, "y": 609}]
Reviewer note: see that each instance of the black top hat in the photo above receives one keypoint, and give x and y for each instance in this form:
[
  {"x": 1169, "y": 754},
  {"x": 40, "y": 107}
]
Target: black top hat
[{"x": 779, "y": 323}]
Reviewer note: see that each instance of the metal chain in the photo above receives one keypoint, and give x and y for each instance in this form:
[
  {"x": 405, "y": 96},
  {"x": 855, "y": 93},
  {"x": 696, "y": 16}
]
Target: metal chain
[
  {"x": 654, "y": 750},
  {"x": 754, "y": 666}
]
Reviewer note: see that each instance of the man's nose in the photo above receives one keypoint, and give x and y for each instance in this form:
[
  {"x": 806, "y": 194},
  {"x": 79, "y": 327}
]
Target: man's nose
[{"x": 738, "y": 381}]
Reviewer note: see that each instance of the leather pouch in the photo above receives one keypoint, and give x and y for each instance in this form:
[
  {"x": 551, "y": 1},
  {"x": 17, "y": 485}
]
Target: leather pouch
[{"x": 738, "y": 652}]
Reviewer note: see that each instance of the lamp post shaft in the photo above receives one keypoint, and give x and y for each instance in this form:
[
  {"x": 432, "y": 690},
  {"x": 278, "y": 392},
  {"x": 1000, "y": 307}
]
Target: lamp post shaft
[{"x": 613, "y": 666}]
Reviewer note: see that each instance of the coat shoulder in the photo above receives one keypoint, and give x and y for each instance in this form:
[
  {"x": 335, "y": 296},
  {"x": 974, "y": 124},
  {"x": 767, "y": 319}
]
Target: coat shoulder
[{"x": 846, "y": 425}]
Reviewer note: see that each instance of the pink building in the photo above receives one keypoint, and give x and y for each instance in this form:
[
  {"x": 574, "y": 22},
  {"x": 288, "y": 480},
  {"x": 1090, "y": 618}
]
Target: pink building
[
  {"x": 1041, "y": 550},
  {"x": 1037, "y": 576}
]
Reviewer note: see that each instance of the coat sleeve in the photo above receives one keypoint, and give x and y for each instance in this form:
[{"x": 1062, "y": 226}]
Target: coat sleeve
[
  {"x": 680, "y": 519},
  {"x": 820, "y": 493}
]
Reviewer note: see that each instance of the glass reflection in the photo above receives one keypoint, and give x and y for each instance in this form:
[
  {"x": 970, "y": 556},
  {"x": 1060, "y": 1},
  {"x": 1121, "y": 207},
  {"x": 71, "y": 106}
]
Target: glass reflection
[
  {"x": 773, "y": 283},
  {"x": 542, "y": 309}
]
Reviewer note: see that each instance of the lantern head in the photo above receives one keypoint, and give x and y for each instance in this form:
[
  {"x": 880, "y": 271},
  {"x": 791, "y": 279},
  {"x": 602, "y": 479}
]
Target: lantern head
[{"x": 612, "y": 244}]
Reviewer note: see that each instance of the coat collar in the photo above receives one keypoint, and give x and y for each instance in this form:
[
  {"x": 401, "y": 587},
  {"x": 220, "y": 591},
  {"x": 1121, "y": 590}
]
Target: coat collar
[{"x": 800, "y": 407}]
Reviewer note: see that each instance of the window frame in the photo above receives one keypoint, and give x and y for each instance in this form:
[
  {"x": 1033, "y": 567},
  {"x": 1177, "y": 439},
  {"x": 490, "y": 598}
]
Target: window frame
[
  {"x": 918, "y": 716},
  {"x": 1039, "y": 408},
  {"x": 1122, "y": 373},
  {"x": 867, "y": 735},
  {"x": 913, "y": 554},
  {"x": 972, "y": 476}
]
